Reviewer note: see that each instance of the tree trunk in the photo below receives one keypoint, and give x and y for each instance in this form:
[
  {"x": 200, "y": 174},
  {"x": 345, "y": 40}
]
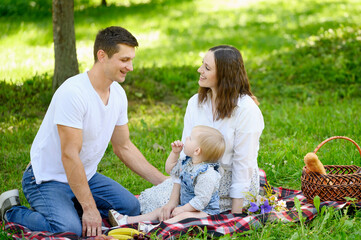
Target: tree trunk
[
  {"x": 104, "y": 3},
  {"x": 66, "y": 63}
]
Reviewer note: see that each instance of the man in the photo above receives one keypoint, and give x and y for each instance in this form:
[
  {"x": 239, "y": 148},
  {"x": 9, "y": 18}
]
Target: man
[{"x": 86, "y": 112}]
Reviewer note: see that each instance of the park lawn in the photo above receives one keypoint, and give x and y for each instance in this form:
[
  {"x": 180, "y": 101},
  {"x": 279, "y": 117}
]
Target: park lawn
[{"x": 302, "y": 58}]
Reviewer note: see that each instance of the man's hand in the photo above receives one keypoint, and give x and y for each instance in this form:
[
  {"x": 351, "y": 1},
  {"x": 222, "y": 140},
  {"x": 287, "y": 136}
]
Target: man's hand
[
  {"x": 92, "y": 223},
  {"x": 177, "y": 146}
]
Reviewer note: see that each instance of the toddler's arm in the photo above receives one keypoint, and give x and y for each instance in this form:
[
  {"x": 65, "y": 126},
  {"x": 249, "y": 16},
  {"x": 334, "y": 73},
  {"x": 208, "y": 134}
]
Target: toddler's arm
[
  {"x": 172, "y": 159},
  {"x": 172, "y": 203},
  {"x": 185, "y": 208}
]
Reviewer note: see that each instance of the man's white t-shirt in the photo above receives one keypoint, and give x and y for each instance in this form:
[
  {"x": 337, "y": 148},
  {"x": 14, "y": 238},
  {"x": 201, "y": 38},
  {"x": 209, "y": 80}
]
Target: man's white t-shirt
[{"x": 76, "y": 104}]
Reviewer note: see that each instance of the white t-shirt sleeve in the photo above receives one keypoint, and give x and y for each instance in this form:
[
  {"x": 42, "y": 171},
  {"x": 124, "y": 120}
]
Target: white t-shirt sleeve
[{"x": 69, "y": 108}]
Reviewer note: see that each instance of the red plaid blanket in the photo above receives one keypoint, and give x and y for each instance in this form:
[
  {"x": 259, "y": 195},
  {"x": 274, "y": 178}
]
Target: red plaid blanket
[{"x": 218, "y": 225}]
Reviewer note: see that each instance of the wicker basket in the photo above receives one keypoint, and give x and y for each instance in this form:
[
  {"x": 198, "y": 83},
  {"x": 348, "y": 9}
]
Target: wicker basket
[{"x": 340, "y": 181}]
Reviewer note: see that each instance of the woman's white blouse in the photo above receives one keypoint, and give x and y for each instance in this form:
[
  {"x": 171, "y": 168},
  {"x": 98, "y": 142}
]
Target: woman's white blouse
[{"x": 241, "y": 132}]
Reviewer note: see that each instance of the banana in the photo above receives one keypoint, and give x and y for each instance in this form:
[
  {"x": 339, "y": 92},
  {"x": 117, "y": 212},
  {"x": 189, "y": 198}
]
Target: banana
[
  {"x": 123, "y": 231},
  {"x": 120, "y": 236}
]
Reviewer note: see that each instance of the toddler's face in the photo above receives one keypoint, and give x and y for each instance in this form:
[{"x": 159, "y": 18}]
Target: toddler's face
[{"x": 191, "y": 143}]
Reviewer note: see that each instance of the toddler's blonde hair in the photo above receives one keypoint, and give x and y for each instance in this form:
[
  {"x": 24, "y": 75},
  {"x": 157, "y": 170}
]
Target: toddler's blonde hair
[{"x": 211, "y": 142}]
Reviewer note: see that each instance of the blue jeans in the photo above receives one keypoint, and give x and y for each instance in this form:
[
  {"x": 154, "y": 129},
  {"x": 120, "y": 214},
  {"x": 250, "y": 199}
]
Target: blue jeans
[{"x": 57, "y": 210}]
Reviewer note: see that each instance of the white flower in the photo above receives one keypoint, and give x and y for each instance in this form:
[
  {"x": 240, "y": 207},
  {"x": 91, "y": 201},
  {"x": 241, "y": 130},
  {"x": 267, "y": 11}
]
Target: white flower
[
  {"x": 273, "y": 204},
  {"x": 282, "y": 203},
  {"x": 273, "y": 198},
  {"x": 261, "y": 199}
]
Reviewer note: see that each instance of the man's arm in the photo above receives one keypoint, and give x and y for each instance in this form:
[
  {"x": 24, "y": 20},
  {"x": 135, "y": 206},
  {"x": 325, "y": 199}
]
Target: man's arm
[
  {"x": 71, "y": 142},
  {"x": 132, "y": 157}
]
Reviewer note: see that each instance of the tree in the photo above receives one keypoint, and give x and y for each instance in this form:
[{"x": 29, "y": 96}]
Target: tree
[
  {"x": 104, "y": 3},
  {"x": 66, "y": 62}
]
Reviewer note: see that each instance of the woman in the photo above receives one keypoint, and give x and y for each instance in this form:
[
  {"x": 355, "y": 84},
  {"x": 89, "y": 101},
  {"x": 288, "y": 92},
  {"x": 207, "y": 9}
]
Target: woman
[{"x": 225, "y": 102}]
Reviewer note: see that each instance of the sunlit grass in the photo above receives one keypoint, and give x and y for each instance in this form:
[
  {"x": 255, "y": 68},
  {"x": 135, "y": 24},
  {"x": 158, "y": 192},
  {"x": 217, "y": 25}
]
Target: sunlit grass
[
  {"x": 302, "y": 58},
  {"x": 176, "y": 34},
  {"x": 281, "y": 46}
]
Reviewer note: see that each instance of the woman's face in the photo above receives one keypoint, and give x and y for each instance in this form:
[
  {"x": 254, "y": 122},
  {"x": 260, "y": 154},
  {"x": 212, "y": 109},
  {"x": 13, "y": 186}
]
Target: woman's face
[{"x": 208, "y": 72}]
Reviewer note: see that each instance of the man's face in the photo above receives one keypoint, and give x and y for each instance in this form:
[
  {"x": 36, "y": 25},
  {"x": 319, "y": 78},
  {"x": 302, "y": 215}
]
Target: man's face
[{"x": 120, "y": 63}]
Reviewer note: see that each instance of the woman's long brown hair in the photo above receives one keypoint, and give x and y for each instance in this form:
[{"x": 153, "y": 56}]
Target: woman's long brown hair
[{"x": 232, "y": 80}]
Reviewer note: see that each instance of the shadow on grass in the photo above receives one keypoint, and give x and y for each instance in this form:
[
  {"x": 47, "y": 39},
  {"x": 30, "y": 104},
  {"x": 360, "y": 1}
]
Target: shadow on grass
[
  {"x": 326, "y": 64},
  {"x": 14, "y": 14},
  {"x": 257, "y": 29},
  {"x": 29, "y": 100}
]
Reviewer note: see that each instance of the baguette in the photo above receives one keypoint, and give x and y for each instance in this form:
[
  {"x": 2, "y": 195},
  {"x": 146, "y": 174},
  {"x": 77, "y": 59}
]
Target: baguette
[{"x": 313, "y": 164}]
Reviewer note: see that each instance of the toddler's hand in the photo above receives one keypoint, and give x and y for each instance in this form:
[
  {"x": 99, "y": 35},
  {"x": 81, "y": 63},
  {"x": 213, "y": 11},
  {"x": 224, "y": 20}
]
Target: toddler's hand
[
  {"x": 176, "y": 211},
  {"x": 177, "y": 146},
  {"x": 165, "y": 212}
]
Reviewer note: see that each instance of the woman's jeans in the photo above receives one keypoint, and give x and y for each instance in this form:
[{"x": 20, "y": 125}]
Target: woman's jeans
[{"x": 57, "y": 210}]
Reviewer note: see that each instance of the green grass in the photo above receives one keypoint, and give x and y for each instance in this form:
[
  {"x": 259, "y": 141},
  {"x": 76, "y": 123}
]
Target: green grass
[{"x": 302, "y": 58}]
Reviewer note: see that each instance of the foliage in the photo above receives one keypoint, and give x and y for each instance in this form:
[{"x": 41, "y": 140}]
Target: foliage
[
  {"x": 27, "y": 99},
  {"x": 38, "y": 8},
  {"x": 329, "y": 224},
  {"x": 315, "y": 65},
  {"x": 302, "y": 58},
  {"x": 4, "y": 234}
]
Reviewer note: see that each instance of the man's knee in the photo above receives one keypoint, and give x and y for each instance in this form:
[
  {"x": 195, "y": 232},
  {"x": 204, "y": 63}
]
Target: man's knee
[
  {"x": 133, "y": 208},
  {"x": 68, "y": 226},
  {"x": 130, "y": 207}
]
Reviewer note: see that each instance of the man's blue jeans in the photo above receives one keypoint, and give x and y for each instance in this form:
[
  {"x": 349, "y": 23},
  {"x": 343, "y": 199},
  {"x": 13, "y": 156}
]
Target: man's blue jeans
[{"x": 57, "y": 210}]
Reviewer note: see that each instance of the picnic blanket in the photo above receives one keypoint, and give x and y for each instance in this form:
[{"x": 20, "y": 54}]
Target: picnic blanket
[{"x": 218, "y": 225}]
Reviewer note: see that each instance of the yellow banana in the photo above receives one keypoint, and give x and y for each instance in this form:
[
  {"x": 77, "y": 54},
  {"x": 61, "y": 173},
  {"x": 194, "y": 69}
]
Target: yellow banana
[
  {"x": 123, "y": 231},
  {"x": 120, "y": 236}
]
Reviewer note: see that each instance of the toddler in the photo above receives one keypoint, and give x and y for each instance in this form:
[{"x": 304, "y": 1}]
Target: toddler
[{"x": 196, "y": 180}]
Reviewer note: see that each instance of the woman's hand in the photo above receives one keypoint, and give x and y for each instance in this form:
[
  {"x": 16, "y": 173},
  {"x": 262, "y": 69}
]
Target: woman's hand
[{"x": 237, "y": 205}]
